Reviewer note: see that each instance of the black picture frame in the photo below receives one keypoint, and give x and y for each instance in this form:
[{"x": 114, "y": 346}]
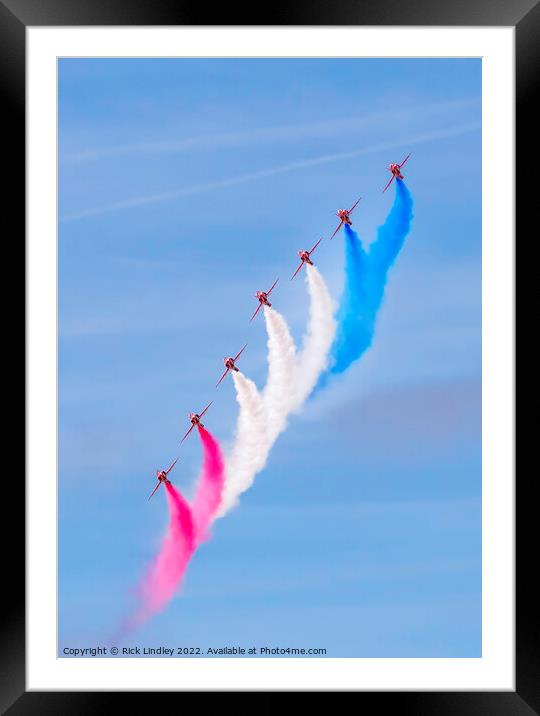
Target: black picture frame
[{"x": 524, "y": 16}]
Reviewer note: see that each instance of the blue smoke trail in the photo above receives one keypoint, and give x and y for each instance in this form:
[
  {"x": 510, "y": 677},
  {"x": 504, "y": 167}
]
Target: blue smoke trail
[
  {"x": 365, "y": 280},
  {"x": 354, "y": 316}
]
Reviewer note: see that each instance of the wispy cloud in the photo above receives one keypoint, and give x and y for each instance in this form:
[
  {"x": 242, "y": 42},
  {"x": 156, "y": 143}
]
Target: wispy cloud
[
  {"x": 257, "y": 135},
  {"x": 272, "y": 171}
]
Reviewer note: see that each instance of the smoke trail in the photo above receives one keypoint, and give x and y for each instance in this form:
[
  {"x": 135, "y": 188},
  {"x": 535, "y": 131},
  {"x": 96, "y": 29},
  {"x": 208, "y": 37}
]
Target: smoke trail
[
  {"x": 321, "y": 331},
  {"x": 188, "y": 527},
  {"x": 290, "y": 380},
  {"x": 365, "y": 280},
  {"x": 355, "y": 315},
  {"x": 391, "y": 235},
  {"x": 250, "y": 449},
  {"x": 166, "y": 572},
  {"x": 164, "y": 575},
  {"x": 209, "y": 491},
  {"x": 280, "y": 385}
]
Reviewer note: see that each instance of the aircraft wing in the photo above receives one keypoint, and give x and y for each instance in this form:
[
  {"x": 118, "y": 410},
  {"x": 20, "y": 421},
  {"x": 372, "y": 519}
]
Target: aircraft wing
[
  {"x": 313, "y": 249},
  {"x": 188, "y": 432},
  {"x": 171, "y": 467},
  {"x": 237, "y": 356},
  {"x": 257, "y": 311},
  {"x": 297, "y": 270},
  {"x": 155, "y": 490},
  {"x": 386, "y": 187},
  {"x": 403, "y": 162},
  {"x": 338, "y": 228},
  {"x": 223, "y": 376},
  {"x": 272, "y": 287},
  {"x": 354, "y": 206},
  {"x": 204, "y": 411}
]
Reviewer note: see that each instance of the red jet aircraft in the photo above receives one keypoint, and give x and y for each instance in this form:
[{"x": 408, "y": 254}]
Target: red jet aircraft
[
  {"x": 229, "y": 364},
  {"x": 195, "y": 419},
  {"x": 162, "y": 477},
  {"x": 344, "y": 217},
  {"x": 305, "y": 258},
  {"x": 262, "y": 297},
  {"x": 396, "y": 172}
]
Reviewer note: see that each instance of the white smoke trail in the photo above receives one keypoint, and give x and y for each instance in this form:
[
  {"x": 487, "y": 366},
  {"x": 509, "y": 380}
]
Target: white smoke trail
[
  {"x": 280, "y": 385},
  {"x": 262, "y": 417},
  {"x": 291, "y": 379},
  {"x": 250, "y": 450},
  {"x": 319, "y": 338}
]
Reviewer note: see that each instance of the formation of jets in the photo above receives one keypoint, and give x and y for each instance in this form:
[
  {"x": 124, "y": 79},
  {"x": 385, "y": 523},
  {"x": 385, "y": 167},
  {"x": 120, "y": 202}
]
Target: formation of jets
[{"x": 344, "y": 216}]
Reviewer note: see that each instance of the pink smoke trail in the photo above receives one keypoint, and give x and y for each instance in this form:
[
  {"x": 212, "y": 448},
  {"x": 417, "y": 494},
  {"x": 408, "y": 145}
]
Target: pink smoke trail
[
  {"x": 208, "y": 495},
  {"x": 188, "y": 527},
  {"x": 166, "y": 572}
]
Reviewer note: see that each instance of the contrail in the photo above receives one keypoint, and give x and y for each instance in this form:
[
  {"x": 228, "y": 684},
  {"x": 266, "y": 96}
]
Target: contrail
[
  {"x": 291, "y": 378},
  {"x": 365, "y": 281},
  {"x": 269, "y": 172},
  {"x": 270, "y": 134},
  {"x": 188, "y": 527}
]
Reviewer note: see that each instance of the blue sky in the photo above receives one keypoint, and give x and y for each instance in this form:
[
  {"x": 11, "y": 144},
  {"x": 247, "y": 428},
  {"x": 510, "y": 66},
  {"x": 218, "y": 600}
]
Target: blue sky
[{"x": 185, "y": 186}]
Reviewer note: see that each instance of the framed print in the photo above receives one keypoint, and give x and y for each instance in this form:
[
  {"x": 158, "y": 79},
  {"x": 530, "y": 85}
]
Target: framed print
[{"x": 270, "y": 367}]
